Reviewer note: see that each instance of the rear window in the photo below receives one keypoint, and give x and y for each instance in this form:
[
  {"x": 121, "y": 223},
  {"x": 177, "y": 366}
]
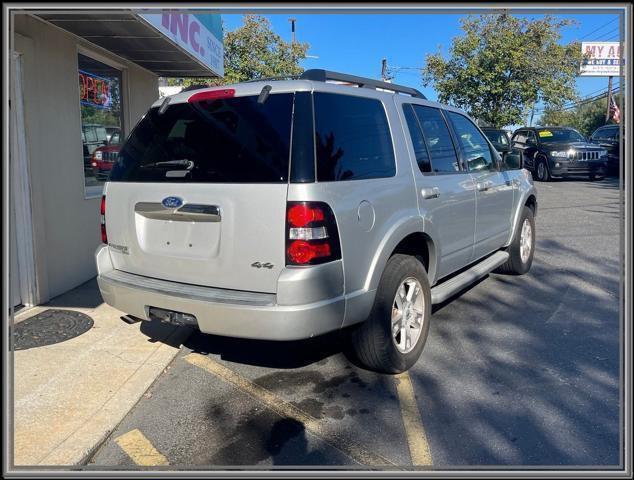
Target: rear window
[
  {"x": 352, "y": 138},
  {"x": 234, "y": 140}
]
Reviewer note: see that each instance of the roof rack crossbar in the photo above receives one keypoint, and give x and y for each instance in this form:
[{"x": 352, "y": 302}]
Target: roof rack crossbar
[{"x": 320, "y": 75}]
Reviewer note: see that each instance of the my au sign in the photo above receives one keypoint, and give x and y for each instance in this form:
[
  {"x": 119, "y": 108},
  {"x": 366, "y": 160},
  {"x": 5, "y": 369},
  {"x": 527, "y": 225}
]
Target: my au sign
[{"x": 601, "y": 59}]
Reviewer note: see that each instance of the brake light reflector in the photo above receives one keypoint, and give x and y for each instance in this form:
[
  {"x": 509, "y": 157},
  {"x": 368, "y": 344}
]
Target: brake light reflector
[
  {"x": 212, "y": 95},
  {"x": 302, "y": 214},
  {"x": 302, "y": 252},
  {"x": 104, "y": 235},
  {"x": 311, "y": 234}
]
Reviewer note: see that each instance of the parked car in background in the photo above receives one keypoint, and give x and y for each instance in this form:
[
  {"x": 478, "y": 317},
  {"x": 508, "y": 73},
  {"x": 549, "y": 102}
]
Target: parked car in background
[
  {"x": 93, "y": 136},
  {"x": 382, "y": 204},
  {"x": 609, "y": 137},
  {"x": 558, "y": 152},
  {"x": 113, "y": 134},
  {"x": 103, "y": 158},
  {"x": 500, "y": 138}
]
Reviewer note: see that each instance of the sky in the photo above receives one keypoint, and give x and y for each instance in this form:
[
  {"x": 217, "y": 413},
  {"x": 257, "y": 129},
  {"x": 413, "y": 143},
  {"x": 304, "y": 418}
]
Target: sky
[{"x": 356, "y": 43}]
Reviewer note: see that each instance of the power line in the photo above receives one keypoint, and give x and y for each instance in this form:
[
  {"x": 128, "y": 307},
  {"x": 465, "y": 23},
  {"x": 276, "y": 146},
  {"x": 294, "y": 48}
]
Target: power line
[
  {"x": 581, "y": 102},
  {"x": 601, "y": 27},
  {"x": 610, "y": 33}
]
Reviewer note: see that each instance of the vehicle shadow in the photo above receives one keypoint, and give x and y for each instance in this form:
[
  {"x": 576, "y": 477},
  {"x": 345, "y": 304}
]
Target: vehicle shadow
[
  {"x": 609, "y": 182},
  {"x": 532, "y": 375},
  {"x": 271, "y": 354}
]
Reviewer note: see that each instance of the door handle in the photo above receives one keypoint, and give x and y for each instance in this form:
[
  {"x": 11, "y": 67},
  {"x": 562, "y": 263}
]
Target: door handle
[
  {"x": 482, "y": 187},
  {"x": 428, "y": 193}
]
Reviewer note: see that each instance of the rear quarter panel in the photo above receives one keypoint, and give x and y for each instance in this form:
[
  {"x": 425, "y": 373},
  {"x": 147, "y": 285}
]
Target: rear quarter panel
[{"x": 371, "y": 215}]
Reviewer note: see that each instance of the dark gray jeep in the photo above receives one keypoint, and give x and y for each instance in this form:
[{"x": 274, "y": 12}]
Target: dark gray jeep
[{"x": 557, "y": 152}]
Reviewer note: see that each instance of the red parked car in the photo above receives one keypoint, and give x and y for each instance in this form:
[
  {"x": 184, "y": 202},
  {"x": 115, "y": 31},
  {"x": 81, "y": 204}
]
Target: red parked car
[{"x": 103, "y": 158}]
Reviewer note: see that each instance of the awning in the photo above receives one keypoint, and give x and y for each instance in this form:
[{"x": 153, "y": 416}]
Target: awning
[{"x": 181, "y": 51}]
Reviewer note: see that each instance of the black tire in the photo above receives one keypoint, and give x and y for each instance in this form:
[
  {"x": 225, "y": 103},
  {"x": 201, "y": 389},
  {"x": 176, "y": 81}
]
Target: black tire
[
  {"x": 371, "y": 341},
  {"x": 515, "y": 265},
  {"x": 542, "y": 173}
]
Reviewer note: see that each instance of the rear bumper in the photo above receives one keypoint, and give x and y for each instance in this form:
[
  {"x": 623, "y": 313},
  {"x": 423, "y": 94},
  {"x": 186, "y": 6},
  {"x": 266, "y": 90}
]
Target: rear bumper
[{"x": 219, "y": 311}]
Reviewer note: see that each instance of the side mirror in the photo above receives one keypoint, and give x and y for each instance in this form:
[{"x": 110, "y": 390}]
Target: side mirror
[{"x": 513, "y": 161}]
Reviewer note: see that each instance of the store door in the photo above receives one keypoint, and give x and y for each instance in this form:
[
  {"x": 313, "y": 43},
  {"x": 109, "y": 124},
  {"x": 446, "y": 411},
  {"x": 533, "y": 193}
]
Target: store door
[
  {"x": 14, "y": 270},
  {"x": 23, "y": 290}
]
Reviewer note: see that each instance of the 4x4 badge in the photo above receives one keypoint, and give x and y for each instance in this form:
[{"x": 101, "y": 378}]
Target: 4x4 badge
[{"x": 262, "y": 265}]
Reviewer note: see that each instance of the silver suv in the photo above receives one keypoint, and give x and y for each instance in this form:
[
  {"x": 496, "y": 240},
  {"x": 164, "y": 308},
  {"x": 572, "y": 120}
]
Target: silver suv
[{"x": 283, "y": 210}]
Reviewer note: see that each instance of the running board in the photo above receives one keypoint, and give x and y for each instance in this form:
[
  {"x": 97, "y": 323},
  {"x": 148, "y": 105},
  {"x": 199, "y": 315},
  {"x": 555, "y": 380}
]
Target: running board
[{"x": 443, "y": 291}]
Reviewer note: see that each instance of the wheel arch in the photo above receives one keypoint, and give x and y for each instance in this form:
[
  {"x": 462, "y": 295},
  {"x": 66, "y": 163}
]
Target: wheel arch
[
  {"x": 409, "y": 237},
  {"x": 529, "y": 199}
]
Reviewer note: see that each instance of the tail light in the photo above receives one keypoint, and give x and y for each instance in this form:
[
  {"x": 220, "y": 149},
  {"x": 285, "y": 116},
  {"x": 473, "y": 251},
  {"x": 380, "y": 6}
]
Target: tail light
[
  {"x": 311, "y": 234},
  {"x": 104, "y": 235}
]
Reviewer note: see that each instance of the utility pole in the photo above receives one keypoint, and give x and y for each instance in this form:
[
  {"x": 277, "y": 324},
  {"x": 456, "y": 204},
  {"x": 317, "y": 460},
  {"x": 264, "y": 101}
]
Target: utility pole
[
  {"x": 607, "y": 112},
  {"x": 530, "y": 124},
  {"x": 292, "y": 20},
  {"x": 384, "y": 70}
]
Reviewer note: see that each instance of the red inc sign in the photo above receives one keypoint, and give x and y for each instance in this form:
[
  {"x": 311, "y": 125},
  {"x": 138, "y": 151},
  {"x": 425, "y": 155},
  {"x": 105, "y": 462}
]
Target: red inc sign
[{"x": 94, "y": 91}]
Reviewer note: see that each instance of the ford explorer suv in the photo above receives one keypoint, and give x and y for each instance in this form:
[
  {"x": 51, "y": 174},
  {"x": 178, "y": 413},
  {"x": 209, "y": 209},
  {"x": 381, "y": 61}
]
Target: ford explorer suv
[
  {"x": 282, "y": 210},
  {"x": 558, "y": 152}
]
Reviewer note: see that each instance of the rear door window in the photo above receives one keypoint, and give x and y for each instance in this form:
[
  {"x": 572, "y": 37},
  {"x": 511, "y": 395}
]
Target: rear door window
[
  {"x": 418, "y": 141},
  {"x": 352, "y": 138},
  {"x": 232, "y": 140},
  {"x": 438, "y": 139}
]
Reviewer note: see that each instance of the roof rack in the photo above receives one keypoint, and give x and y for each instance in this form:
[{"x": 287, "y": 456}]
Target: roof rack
[
  {"x": 266, "y": 79},
  {"x": 196, "y": 86},
  {"x": 320, "y": 75}
]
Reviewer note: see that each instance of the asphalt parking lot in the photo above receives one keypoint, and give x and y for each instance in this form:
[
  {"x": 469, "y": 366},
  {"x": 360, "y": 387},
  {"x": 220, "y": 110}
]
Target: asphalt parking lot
[{"x": 516, "y": 371}]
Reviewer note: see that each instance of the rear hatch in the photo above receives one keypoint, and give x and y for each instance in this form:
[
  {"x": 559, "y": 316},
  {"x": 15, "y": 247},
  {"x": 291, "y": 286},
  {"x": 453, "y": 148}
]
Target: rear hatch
[{"x": 198, "y": 193}]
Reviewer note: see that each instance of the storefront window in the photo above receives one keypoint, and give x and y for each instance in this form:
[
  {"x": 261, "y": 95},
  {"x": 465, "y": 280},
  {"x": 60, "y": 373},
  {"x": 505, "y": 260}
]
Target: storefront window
[{"x": 101, "y": 120}]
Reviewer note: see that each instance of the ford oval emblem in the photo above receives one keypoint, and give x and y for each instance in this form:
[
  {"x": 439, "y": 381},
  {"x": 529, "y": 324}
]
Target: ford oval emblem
[{"x": 172, "y": 202}]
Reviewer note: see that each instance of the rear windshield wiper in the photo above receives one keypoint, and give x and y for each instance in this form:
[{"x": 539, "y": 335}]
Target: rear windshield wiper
[{"x": 187, "y": 164}]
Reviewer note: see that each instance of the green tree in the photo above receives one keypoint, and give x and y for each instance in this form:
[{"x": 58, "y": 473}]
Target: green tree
[
  {"x": 585, "y": 117},
  {"x": 254, "y": 51},
  {"x": 503, "y": 65}
]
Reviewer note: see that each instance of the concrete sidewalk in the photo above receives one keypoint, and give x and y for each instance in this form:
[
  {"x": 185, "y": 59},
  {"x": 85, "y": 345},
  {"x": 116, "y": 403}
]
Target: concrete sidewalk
[{"x": 69, "y": 396}]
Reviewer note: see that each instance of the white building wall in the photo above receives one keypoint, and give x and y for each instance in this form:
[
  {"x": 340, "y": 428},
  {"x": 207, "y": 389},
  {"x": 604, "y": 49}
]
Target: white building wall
[{"x": 65, "y": 223}]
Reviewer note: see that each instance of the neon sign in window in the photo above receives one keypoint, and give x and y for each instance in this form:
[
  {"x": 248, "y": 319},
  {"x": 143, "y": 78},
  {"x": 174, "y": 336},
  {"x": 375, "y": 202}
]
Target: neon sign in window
[
  {"x": 101, "y": 119},
  {"x": 94, "y": 91}
]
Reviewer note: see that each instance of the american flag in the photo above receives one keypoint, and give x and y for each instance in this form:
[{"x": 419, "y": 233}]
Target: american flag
[{"x": 615, "y": 111}]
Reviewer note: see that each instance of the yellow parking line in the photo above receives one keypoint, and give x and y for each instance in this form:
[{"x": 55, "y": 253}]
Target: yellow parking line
[
  {"x": 140, "y": 450},
  {"x": 416, "y": 438},
  {"x": 288, "y": 410}
]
